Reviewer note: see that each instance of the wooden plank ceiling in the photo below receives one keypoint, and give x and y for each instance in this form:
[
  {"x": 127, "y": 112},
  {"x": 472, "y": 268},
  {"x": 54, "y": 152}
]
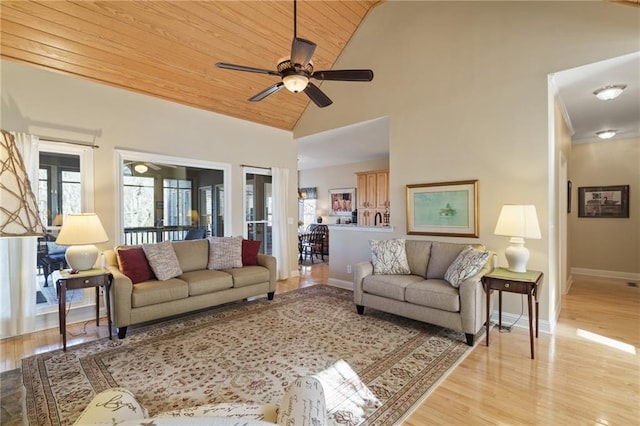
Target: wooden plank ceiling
[{"x": 168, "y": 49}]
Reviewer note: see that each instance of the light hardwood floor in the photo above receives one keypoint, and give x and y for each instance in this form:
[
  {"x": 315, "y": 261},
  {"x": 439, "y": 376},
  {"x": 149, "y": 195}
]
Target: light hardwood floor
[{"x": 572, "y": 381}]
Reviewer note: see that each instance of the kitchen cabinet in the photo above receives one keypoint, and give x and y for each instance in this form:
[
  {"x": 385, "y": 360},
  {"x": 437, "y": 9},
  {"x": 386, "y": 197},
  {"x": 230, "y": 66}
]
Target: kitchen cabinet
[{"x": 372, "y": 196}]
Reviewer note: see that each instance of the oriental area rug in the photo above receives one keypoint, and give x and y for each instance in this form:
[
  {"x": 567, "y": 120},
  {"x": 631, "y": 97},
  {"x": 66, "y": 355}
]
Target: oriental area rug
[{"x": 250, "y": 351}]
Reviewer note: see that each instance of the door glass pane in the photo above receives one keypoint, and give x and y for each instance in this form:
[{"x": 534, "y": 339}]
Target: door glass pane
[
  {"x": 59, "y": 193},
  {"x": 259, "y": 209}
]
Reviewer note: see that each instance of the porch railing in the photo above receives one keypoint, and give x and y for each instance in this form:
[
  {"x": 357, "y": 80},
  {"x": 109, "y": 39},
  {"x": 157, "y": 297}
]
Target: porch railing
[{"x": 153, "y": 234}]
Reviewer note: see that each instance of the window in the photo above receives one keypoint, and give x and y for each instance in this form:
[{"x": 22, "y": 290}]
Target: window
[
  {"x": 65, "y": 185},
  {"x": 307, "y": 203},
  {"x": 59, "y": 186},
  {"x": 162, "y": 197},
  {"x": 177, "y": 203}
]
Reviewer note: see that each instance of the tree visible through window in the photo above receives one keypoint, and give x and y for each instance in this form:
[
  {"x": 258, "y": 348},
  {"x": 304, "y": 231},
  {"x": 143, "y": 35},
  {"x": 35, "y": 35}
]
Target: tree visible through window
[{"x": 138, "y": 201}]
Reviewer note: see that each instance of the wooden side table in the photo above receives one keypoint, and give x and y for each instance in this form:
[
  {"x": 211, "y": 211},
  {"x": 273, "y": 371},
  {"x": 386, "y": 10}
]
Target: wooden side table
[
  {"x": 528, "y": 283},
  {"x": 84, "y": 279}
]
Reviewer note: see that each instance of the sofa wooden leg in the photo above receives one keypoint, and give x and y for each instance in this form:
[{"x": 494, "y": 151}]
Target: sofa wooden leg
[
  {"x": 270, "y": 295},
  {"x": 360, "y": 309},
  {"x": 122, "y": 332},
  {"x": 469, "y": 337}
]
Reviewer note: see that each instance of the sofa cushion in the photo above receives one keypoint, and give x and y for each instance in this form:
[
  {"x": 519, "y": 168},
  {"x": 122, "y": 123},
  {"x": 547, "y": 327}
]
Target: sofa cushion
[
  {"x": 225, "y": 252},
  {"x": 442, "y": 255},
  {"x": 193, "y": 255},
  {"x": 389, "y": 286},
  {"x": 133, "y": 263},
  {"x": 250, "y": 250},
  {"x": 206, "y": 281},
  {"x": 248, "y": 275},
  {"x": 389, "y": 256},
  {"x": 418, "y": 253},
  {"x": 433, "y": 293},
  {"x": 466, "y": 265},
  {"x": 153, "y": 292},
  {"x": 162, "y": 259}
]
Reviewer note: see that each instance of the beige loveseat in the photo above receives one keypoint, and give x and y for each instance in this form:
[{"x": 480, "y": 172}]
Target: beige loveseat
[
  {"x": 424, "y": 294},
  {"x": 196, "y": 288}
]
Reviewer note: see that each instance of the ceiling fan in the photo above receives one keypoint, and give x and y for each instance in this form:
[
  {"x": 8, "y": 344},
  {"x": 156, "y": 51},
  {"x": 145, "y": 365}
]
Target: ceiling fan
[{"x": 297, "y": 70}]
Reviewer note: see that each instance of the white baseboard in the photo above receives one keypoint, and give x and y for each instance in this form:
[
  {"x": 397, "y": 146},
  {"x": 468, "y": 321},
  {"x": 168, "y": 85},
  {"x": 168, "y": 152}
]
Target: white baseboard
[
  {"x": 629, "y": 276},
  {"x": 509, "y": 319},
  {"x": 347, "y": 285}
]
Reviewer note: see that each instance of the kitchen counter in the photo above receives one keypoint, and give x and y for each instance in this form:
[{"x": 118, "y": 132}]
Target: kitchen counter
[{"x": 359, "y": 228}]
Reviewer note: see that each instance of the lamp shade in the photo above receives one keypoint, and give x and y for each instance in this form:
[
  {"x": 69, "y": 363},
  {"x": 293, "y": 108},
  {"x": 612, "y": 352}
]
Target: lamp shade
[
  {"x": 518, "y": 220},
  {"x": 81, "y": 231},
  {"x": 18, "y": 207}
]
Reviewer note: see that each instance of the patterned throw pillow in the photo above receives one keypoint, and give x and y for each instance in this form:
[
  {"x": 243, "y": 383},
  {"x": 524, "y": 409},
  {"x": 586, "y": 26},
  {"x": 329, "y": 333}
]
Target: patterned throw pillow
[
  {"x": 163, "y": 260},
  {"x": 467, "y": 264},
  {"x": 389, "y": 257},
  {"x": 134, "y": 264},
  {"x": 225, "y": 252}
]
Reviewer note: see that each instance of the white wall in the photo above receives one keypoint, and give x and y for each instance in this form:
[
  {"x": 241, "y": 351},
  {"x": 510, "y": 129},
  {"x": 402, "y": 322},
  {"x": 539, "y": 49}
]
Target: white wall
[
  {"x": 60, "y": 106},
  {"x": 465, "y": 87},
  {"x": 607, "y": 246}
]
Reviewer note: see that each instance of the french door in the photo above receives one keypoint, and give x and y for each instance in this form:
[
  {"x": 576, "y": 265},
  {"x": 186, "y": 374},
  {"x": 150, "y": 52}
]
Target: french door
[{"x": 258, "y": 205}]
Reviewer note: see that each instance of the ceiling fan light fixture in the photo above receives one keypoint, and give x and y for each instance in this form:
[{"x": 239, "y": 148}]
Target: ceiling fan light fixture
[
  {"x": 609, "y": 92},
  {"x": 606, "y": 134},
  {"x": 141, "y": 168},
  {"x": 295, "y": 82}
]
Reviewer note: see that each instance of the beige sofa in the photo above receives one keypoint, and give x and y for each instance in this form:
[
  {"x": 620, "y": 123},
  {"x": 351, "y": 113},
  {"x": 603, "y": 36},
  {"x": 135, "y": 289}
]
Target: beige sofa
[
  {"x": 197, "y": 287},
  {"x": 424, "y": 295}
]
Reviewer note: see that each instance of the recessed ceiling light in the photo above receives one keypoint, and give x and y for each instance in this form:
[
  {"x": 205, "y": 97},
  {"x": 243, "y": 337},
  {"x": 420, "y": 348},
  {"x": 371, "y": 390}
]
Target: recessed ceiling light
[
  {"x": 609, "y": 92},
  {"x": 606, "y": 134}
]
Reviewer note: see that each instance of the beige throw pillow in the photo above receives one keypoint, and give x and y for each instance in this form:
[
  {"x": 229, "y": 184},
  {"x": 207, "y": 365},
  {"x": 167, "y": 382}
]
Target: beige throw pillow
[
  {"x": 225, "y": 252},
  {"x": 466, "y": 265},
  {"x": 163, "y": 260},
  {"x": 389, "y": 257}
]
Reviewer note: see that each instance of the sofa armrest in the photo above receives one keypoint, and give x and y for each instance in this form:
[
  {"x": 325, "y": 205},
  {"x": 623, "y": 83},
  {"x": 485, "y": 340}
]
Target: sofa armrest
[
  {"x": 120, "y": 294},
  {"x": 360, "y": 271},
  {"x": 270, "y": 263}
]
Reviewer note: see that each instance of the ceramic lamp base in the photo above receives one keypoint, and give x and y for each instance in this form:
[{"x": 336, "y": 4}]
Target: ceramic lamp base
[
  {"x": 517, "y": 255},
  {"x": 82, "y": 258}
]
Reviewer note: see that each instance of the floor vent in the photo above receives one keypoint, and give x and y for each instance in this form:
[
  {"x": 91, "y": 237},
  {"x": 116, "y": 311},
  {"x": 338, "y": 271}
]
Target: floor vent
[{"x": 630, "y": 284}]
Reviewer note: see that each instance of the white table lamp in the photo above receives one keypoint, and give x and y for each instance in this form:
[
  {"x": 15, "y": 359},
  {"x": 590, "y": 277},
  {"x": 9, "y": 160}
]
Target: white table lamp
[
  {"x": 81, "y": 232},
  {"x": 518, "y": 222}
]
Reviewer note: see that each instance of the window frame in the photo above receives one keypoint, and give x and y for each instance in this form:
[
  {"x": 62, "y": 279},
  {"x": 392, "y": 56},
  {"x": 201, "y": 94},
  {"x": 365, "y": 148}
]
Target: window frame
[{"x": 121, "y": 155}]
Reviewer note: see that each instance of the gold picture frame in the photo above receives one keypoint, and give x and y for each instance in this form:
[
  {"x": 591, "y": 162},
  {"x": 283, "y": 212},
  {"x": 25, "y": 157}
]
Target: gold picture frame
[{"x": 443, "y": 208}]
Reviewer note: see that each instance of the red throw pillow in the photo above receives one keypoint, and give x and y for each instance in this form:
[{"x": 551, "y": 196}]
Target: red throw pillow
[
  {"x": 250, "y": 250},
  {"x": 134, "y": 264}
]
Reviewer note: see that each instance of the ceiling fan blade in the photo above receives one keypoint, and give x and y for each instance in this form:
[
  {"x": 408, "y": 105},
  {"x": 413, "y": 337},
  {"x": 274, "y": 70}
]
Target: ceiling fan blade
[
  {"x": 317, "y": 96},
  {"x": 246, "y": 69},
  {"x": 266, "y": 92},
  {"x": 153, "y": 166},
  {"x": 302, "y": 51},
  {"x": 344, "y": 75}
]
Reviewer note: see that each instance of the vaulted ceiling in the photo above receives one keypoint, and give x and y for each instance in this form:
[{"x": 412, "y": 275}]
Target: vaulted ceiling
[{"x": 168, "y": 49}]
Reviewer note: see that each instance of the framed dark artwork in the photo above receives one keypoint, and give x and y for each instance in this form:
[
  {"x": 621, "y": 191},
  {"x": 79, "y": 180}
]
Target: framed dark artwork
[
  {"x": 443, "y": 208},
  {"x": 569, "y": 188},
  {"x": 603, "y": 201}
]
